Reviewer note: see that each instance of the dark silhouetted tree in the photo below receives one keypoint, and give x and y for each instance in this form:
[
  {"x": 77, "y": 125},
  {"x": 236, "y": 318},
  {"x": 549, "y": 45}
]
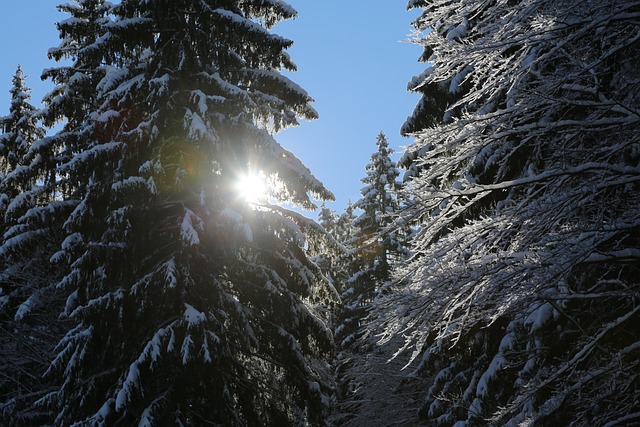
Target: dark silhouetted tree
[{"x": 190, "y": 304}]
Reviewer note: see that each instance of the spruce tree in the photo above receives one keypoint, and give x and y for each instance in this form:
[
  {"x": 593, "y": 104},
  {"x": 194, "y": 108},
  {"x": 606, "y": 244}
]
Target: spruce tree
[
  {"x": 73, "y": 102},
  {"x": 19, "y": 188},
  {"x": 519, "y": 304},
  {"x": 379, "y": 200},
  {"x": 328, "y": 219},
  {"x": 372, "y": 244},
  {"x": 190, "y": 304},
  {"x": 345, "y": 231},
  {"x": 27, "y": 321},
  {"x": 41, "y": 211},
  {"x": 19, "y": 130},
  {"x": 331, "y": 251},
  {"x": 364, "y": 371}
]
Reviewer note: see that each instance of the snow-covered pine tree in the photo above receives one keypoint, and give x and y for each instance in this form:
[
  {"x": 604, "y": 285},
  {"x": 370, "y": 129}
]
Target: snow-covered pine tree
[
  {"x": 191, "y": 306},
  {"x": 27, "y": 322},
  {"x": 341, "y": 233},
  {"x": 344, "y": 225},
  {"x": 18, "y": 126},
  {"x": 379, "y": 200},
  {"x": 373, "y": 250},
  {"x": 331, "y": 253},
  {"x": 372, "y": 244},
  {"x": 327, "y": 218},
  {"x": 521, "y": 299},
  {"x": 20, "y": 129},
  {"x": 40, "y": 212},
  {"x": 73, "y": 101}
]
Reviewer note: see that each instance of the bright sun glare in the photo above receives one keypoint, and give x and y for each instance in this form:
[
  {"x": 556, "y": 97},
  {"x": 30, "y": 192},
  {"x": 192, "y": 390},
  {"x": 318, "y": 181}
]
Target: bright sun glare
[{"x": 251, "y": 187}]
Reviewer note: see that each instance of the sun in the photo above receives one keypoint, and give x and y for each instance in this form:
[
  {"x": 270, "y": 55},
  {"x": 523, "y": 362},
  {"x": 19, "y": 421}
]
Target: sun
[{"x": 251, "y": 187}]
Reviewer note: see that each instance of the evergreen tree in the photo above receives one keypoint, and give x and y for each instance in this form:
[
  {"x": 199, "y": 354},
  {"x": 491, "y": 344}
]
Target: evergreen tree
[
  {"x": 328, "y": 219},
  {"x": 27, "y": 324},
  {"x": 190, "y": 305},
  {"x": 74, "y": 100},
  {"x": 338, "y": 255},
  {"x": 372, "y": 244},
  {"x": 520, "y": 301},
  {"x": 345, "y": 231},
  {"x": 332, "y": 252},
  {"x": 19, "y": 130},
  {"x": 47, "y": 196},
  {"x": 40, "y": 212},
  {"x": 366, "y": 269}
]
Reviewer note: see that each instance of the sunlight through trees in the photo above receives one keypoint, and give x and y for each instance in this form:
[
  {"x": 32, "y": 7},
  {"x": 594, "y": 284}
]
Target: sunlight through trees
[{"x": 152, "y": 274}]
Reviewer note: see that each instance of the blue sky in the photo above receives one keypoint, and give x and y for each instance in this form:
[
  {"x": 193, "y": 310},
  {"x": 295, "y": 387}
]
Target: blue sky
[{"x": 351, "y": 57}]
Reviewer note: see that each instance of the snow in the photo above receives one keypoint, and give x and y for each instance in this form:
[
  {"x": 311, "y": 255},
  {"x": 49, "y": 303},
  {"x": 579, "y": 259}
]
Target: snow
[
  {"x": 126, "y": 22},
  {"x": 107, "y": 115},
  {"x": 151, "y": 185},
  {"x": 131, "y": 383},
  {"x": 539, "y": 316},
  {"x": 70, "y": 303},
  {"x": 111, "y": 76},
  {"x": 71, "y": 241},
  {"x": 146, "y": 167},
  {"x": 201, "y": 100},
  {"x": 631, "y": 418},
  {"x": 70, "y": 22},
  {"x": 283, "y": 7},
  {"x": 161, "y": 83},
  {"x": 129, "y": 183},
  {"x": 18, "y": 173},
  {"x": 460, "y": 31},
  {"x": 249, "y": 26},
  {"x": 25, "y": 308},
  {"x": 495, "y": 366},
  {"x": 103, "y": 412},
  {"x": 170, "y": 273},
  {"x": 90, "y": 154},
  {"x": 628, "y": 254},
  {"x": 191, "y": 223},
  {"x": 154, "y": 345},
  {"x": 206, "y": 354},
  {"x": 107, "y": 300},
  {"x": 237, "y": 222},
  {"x": 418, "y": 81},
  {"x": 129, "y": 85},
  {"x": 185, "y": 350},
  {"x": 21, "y": 200},
  {"x": 71, "y": 340},
  {"x": 147, "y": 419},
  {"x": 195, "y": 125},
  {"x": 172, "y": 340},
  {"x": 193, "y": 316},
  {"x": 458, "y": 79},
  {"x": 458, "y": 185}
]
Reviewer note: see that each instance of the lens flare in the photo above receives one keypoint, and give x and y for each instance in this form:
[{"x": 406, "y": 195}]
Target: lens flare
[{"x": 251, "y": 187}]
